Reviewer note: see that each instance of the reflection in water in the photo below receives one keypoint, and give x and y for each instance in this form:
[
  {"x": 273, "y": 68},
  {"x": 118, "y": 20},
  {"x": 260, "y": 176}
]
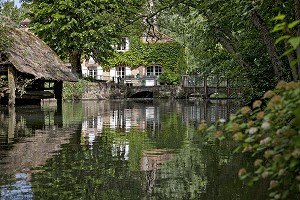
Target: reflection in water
[
  {"x": 29, "y": 137},
  {"x": 21, "y": 189},
  {"x": 118, "y": 150}
]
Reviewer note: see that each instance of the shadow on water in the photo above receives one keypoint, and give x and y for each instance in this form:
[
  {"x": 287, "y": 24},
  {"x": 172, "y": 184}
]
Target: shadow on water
[{"x": 130, "y": 149}]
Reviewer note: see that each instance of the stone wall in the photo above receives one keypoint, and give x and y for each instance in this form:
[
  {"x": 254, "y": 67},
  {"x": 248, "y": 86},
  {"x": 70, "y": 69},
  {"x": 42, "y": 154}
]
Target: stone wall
[
  {"x": 168, "y": 91},
  {"x": 99, "y": 90}
]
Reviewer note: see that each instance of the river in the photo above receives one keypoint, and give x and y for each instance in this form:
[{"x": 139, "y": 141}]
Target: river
[{"x": 135, "y": 149}]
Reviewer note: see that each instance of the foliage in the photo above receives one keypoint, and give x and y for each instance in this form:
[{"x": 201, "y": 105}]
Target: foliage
[
  {"x": 169, "y": 78},
  {"x": 75, "y": 28},
  {"x": 229, "y": 37},
  {"x": 269, "y": 132},
  {"x": 165, "y": 54},
  {"x": 169, "y": 55},
  {"x": 4, "y": 41},
  {"x": 74, "y": 90},
  {"x": 286, "y": 28},
  {"x": 10, "y": 10},
  {"x": 218, "y": 95}
]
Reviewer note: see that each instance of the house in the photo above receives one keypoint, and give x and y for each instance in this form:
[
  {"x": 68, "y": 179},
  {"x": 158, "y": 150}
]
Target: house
[{"x": 133, "y": 66}]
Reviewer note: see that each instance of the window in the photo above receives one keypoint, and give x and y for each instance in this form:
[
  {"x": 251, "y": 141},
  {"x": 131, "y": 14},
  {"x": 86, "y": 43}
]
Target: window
[
  {"x": 154, "y": 70},
  {"x": 93, "y": 72},
  {"x": 121, "y": 72}
]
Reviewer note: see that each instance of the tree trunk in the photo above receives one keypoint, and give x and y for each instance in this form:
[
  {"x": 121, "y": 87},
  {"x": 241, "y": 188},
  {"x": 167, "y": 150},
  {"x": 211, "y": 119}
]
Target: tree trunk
[
  {"x": 230, "y": 47},
  {"x": 74, "y": 59},
  {"x": 262, "y": 28}
]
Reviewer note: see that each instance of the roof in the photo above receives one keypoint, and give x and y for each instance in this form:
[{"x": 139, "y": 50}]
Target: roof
[{"x": 31, "y": 55}]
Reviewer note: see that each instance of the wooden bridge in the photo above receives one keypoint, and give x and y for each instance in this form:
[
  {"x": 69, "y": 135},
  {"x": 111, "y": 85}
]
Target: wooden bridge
[{"x": 205, "y": 86}]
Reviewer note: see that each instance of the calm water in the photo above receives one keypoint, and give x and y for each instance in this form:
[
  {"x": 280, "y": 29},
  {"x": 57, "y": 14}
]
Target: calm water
[{"x": 118, "y": 150}]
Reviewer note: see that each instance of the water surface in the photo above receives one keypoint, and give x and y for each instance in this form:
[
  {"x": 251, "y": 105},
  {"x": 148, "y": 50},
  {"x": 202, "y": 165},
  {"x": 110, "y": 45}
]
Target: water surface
[{"x": 118, "y": 150}]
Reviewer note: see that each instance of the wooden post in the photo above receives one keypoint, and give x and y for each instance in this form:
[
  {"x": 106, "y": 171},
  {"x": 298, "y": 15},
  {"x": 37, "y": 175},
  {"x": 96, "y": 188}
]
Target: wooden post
[
  {"x": 58, "y": 87},
  {"x": 11, "y": 86},
  {"x": 205, "y": 86},
  {"x": 228, "y": 89}
]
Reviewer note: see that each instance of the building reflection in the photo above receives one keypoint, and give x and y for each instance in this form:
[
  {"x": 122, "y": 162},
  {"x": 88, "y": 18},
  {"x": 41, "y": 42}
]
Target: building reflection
[
  {"x": 151, "y": 161},
  {"x": 126, "y": 116}
]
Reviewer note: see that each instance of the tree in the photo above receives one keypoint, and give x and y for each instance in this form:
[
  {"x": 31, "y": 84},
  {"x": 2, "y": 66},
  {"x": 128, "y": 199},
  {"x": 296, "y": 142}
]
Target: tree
[
  {"x": 242, "y": 28},
  {"x": 82, "y": 27},
  {"x": 9, "y": 9}
]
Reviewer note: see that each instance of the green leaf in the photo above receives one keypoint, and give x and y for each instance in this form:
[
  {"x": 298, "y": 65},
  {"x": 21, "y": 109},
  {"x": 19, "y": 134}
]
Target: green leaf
[
  {"x": 294, "y": 23},
  {"x": 279, "y": 17},
  {"x": 250, "y": 139},
  {"x": 282, "y": 38},
  {"x": 294, "y": 62},
  {"x": 278, "y": 27},
  {"x": 294, "y": 41},
  {"x": 287, "y": 52}
]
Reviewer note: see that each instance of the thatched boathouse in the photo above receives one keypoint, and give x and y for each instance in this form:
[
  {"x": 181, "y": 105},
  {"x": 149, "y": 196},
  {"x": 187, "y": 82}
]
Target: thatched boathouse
[{"x": 29, "y": 69}]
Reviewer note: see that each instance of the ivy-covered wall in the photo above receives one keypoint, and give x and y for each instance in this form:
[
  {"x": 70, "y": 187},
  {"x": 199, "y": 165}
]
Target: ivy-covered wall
[{"x": 169, "y": 55}]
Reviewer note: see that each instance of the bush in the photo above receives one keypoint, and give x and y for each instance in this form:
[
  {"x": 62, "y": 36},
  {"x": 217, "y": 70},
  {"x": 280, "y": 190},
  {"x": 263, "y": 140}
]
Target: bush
[
  {"x": 74, "y": 90},
  {"x": 269, "y": 131},
  {"x": 169, "y": 78}
]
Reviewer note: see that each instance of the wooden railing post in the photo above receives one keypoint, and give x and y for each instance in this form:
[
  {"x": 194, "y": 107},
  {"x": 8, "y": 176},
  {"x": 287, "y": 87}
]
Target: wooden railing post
[
  {"x": 228, "y": 89},
  {"x": 205, "y": 86}
]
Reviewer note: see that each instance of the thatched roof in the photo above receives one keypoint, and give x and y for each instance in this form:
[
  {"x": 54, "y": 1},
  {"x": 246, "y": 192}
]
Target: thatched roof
[{"x": 31, "y": 55}]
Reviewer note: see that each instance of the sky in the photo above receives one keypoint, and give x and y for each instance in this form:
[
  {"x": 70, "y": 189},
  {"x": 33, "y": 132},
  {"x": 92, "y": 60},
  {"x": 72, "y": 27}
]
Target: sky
[{"x": 17, "y": 3}]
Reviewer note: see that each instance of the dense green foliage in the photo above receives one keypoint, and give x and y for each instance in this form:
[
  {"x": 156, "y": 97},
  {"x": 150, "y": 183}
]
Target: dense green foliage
[
  {"x": 270, "y": 134},
  {"x": 233, "y": 38},
  {"x": 291, "y": 40},
  {"x": 76, "y": 28}
]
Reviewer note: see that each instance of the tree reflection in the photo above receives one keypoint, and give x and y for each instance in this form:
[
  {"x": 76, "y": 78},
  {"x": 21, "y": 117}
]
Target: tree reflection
[{"x": 124, "y": 150}]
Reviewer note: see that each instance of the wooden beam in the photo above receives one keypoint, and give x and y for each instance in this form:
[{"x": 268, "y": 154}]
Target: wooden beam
[
  {"x": 58, "y": 87},
  {"x": 11, "y": 86}
]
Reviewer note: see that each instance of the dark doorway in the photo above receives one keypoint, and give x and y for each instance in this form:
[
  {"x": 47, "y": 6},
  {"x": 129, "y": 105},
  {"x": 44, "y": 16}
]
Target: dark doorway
[{"x": 144, "y": 94}]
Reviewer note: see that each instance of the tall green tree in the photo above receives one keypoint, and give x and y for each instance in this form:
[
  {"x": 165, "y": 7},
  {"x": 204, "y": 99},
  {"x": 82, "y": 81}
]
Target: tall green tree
[
  {"x": 242, "y": 28},
  {"x": 82, "y": 27}
]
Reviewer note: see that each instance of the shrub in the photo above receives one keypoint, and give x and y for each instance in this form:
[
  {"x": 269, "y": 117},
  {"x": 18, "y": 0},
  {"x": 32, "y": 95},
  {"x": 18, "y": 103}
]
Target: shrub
[
  {"x": 269, "y": 131},
  {"x": 169, "y": 78},
  {"x": 74, "y": 90}
]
